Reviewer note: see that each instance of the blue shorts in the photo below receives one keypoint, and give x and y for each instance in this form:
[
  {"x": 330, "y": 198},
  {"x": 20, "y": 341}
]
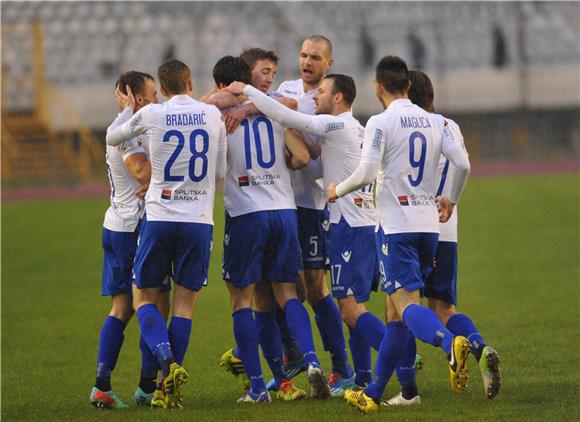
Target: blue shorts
[
  {"x": 165, "y": 246},
  {"x": 119, "y": 249},
  {"x": 313, "y": 226},
  {"x": 260, "y": 246},
  {"x": 442, "y": 283},
  {"x": 405, "y": 259},
  {"x": 353, "y": 260}
]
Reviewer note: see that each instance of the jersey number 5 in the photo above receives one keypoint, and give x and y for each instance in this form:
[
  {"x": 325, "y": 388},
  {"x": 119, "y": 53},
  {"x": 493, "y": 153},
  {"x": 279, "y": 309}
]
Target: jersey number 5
[{"x": 195, "y": 155}]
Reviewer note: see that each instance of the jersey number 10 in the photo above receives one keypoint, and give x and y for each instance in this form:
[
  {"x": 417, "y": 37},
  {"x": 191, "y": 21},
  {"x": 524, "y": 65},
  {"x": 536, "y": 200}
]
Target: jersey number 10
[{"x": 258, "y": 142}]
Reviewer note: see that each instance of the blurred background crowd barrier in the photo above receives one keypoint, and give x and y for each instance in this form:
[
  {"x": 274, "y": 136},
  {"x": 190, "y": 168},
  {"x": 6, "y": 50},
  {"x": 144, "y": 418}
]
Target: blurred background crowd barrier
[{"x": 507, "y": 72}]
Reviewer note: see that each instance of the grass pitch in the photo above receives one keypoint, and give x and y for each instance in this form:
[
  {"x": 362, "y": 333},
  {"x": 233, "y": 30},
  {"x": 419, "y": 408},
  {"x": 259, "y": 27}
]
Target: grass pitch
[{"x": 518, "y": 280}]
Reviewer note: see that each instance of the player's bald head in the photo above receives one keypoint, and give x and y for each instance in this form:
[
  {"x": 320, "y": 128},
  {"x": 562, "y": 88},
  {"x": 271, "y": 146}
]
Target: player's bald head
[
  {"x": 321, "y": 39},
  {"x": 421, "y": 91}
]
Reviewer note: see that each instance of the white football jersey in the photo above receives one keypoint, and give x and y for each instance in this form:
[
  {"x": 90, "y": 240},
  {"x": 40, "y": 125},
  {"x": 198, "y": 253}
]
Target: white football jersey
[
  {"x": 126, "y": 209},
  {"x": 445, "y": 175},
  {"x": 184, "y": 136},
  {"x": 308, "y": 192},
  {"x": 257, "y": 178},
  {"x": 406, "y": 142}
]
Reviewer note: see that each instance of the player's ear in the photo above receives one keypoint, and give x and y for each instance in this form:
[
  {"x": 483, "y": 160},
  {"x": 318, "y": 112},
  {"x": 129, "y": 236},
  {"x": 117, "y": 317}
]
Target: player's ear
[
  {"x": 189, "y": 85},
  {"x": 339, "y": 97},
  {"x": 163, "y": 92},
  {"x": 330, "y": 63}
]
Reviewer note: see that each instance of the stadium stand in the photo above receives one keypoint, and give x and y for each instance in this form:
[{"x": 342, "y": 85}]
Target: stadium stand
[{"x": 70, "y": 53}]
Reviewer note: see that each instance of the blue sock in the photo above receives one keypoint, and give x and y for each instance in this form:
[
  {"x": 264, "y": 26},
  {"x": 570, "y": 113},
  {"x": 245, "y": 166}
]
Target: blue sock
[
  {"x": 149, "y": 365},
  {"x": 299, "y": 324},
  {"x": 247, "y": 338},
  {"x": 110, "y": 343},
  {"x": 406, "y": 368},
  {"x": 361, "y": 357},
  {"x": 389, "y": 354},
  {"x": 371, "y": 328},
  {"x": 179, "y": 333},
  {"x": 461, "y": 325},
  {"x": 330, "y": 326},
  {"x": 155, "y": 333},
  {"x": 291, "y": 348},
  {"x": 425, "y": 325},
  {"x": 271, "y": 342}
]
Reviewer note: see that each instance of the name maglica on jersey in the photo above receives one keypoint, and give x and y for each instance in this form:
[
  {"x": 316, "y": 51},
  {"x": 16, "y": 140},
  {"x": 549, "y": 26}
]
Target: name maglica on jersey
[
  {"x": 183, "y": 194},
  {"x": 415, "y": 122},
  {"x": 416, "y": 200}
]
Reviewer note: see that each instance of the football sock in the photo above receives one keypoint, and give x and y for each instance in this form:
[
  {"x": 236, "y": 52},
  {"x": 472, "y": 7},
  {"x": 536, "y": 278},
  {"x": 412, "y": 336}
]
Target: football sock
[
  {"x": 361, "y": 357},
  {"x": 291, "y": 348},
  {"x": 149, "y": 367},
  {"x": 179, "y": 333},
  {"x": 425, "y": 325},
  {"x": 389, "y": 354},
  {"x": 406, "y": 368},
  {"x": 371, "y": 328},
  {"x": 462, "y": 325},
  {"x": 154, "y": 332},
  {"x": 271, "y": 342},
  {"x": 299, "y": 324},
  {"x": 110, "y": 343},
  {"x": 330, "y": 327},
  {"x": 246, "y": 335}
]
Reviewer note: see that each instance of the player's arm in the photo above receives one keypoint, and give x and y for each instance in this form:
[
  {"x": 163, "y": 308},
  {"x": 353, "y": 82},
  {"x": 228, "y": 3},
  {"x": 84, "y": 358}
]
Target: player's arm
[
  {"x": 221, "y": 99},
  {"x": 222, "y": 153},
  {"x": 366, "y": 172},
  {"x": 139, "y": 167},
  {"x": 275, "y": 110},
  {"x": 313, "y": 169},
  {"x": 298, "y": 153},
  {"x": 127, "y": 125},
  {"x": 454, "y": 150}
]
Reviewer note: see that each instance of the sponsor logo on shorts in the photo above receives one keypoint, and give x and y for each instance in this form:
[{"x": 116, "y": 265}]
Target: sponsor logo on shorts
[
  {"x": 166, "y": 194},
  {"x": 358, "y": 201},
  {"x": 403, "y": 200},
  {"x": 397, "y": 285},
  {"x": 346, "y": 255},
  {"x": 385, "y": 248},
  {"x": 326, "y": 225},
  {"x": 243, "y": 181},
  {"x": 227, "y": 239},
  {"x": 349, "y": 292}
]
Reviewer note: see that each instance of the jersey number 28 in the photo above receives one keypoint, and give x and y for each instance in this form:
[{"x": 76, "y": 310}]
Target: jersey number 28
[{"x": 195, "y": 155}]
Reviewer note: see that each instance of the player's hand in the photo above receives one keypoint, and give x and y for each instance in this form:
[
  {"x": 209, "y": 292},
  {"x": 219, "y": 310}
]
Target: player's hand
[
  {"x": 233, "y": 117},
  {"x": 236, "y": 88},
  {"x": 331, "y": 193},
  {"x": 445, "y": 208},
  {"x": 125, "y": 100},
  {"x": 142, "y": 191}
]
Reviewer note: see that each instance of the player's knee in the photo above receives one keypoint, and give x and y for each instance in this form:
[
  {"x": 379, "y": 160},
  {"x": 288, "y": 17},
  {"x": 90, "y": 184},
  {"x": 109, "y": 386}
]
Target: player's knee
[
  {"x": 123, "y": 311},
  {"x": 443, "y": 310}
]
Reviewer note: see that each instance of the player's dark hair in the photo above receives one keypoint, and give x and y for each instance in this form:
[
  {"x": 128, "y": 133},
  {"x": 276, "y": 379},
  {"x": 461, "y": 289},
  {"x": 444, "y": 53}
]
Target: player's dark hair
[
  {"x": 343, "y": 84},
  {"x": 135, "y": 79},
  {"x": 252, "y": 55},
  {"x": 173, "y": 77},
  {"x": 393, "y": 75},
  {"x": 229, "y": 69},
  {"x": 322, "y": 38},
  {"x": 421, "y": 91}
]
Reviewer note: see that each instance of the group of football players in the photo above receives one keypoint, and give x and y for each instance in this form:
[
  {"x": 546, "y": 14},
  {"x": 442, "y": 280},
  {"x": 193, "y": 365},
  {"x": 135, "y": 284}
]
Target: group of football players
[{"x": 307, "y": 189}]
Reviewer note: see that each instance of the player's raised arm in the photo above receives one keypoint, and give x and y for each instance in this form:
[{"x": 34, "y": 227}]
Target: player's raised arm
[
  {"x": 366, "y": 172},
  {"x": 273, "y": 109},
  {"x": 128, "y": 127}
]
